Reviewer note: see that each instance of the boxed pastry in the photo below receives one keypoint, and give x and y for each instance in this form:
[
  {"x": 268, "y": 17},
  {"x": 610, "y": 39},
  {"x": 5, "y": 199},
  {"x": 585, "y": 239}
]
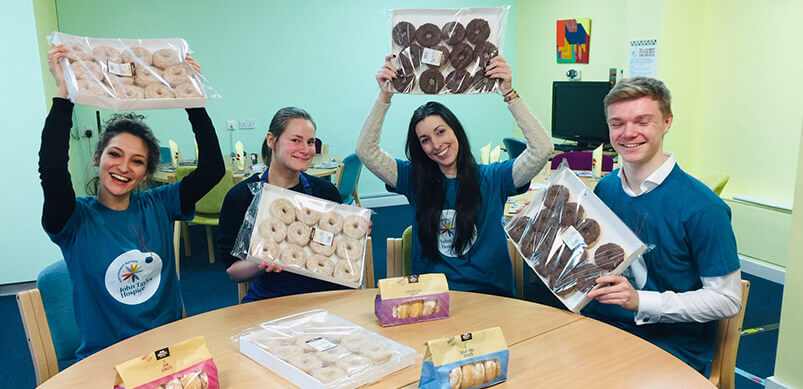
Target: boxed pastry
[
  {"x": 306, "y": 235},
  {"x": 472, "y": 360},
  {"x": 569, "y": 237},
  {"x": 411, "y": 299},
  {"x": 445, "y": 51},
  {"x": 130, "y": 74},
  {"x": 316, "y": 349},
  {"x": 186, "y": 365}
]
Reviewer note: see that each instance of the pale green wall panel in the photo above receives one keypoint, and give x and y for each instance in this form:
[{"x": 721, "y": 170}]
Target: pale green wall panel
[
  {"x": 264, "y": 55},
  {"x": 761, "y": 232},
  {"x": 26, "y": 248}
]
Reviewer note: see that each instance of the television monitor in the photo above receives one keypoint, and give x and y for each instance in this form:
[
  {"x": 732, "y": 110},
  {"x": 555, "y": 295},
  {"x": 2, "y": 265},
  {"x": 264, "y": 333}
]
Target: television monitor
[{"x": 578, "y": 114}]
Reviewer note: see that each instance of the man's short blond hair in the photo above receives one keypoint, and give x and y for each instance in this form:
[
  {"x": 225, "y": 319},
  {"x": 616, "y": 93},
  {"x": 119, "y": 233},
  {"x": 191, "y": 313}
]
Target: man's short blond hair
[{"x": 637, "y": 87}]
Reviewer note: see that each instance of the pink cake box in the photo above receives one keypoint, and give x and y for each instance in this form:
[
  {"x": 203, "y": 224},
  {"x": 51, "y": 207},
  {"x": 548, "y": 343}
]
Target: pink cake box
[{"x": 384, "y": 309}]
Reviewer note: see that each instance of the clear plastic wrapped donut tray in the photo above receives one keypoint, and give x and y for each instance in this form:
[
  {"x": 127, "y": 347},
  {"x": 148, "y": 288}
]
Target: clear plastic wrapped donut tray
[
  {"x": 410, "y": 299},
  {"x": 476, "y": 359},
  {"x": 129, "y": 74},
  {"x": 307, "y": 235},
  {"x": 445, "y": 51},
  {"x": 569, "y": 237},
  {"x": 316, "y": 349}
]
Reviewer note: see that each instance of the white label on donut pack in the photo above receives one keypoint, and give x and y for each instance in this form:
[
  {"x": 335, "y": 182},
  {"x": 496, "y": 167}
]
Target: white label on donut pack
[
  {"x": 572, "y": 238},
  {"x": 120, "y": 69},
  {"x": 321, "y": 344},
  {"x": 323, "y": 237},
  {"x": 432, "y": 57}
]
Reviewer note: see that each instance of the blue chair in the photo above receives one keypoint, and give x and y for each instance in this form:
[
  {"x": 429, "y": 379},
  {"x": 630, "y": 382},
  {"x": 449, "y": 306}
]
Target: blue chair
[
  {"x": 165, "y": 156},
  {"x": 348, "y": 178},
  {"x": 49, "y": 321},
  {"x": 514, "y": 146}
]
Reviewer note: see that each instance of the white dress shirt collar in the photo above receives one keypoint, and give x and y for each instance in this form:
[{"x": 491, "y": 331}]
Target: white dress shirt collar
[{"x": 653, "y": 180}]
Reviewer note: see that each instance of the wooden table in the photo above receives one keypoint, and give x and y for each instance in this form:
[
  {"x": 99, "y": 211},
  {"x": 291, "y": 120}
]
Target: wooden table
[
  {"x": 170, "y": 177},
  {"x": 548, "y": 347}
]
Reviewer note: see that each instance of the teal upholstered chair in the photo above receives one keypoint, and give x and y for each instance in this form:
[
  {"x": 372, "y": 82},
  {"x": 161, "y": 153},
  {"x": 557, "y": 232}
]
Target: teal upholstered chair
[
  {"x": 348, "y": 179},
  {"x": 49, "y": 321},
  {"x": 514, "y": 146},
  {"x": 207, "y": 212}
]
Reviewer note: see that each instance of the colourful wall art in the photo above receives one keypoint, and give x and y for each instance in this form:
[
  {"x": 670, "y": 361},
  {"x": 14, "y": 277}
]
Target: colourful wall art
[{"x": 574, "y": 40}]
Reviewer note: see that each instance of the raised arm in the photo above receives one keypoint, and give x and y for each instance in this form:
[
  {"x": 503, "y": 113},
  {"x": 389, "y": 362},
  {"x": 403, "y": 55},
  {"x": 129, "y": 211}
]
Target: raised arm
[
  {"x": 539, "y": 144},
  {"x": 59, "y": 197},
  {"x": 378, "y": 161},
  {"x": 210, "y": 160}
]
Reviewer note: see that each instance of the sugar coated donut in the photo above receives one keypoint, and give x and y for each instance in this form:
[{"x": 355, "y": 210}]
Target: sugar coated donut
[
  {"x": 328, "y": 374},
  {"x": 91, "y": 87},
  {"x": 158, "y": 91},
  {"x": 147, "y": 76},
  {"x": 431, "y": 306},
  {"x": 377, "y": 352},
  {"x": 320, "y": 265},
  {"x": 87, "y": 70},
  {"x": 416, "y": 308},
  {"x": 348, "y": 248},
  {"x": 114, "y": 81},
  {"x": 403, "y": 33},
  {"x": 410, "y": 58},
  {"x": 353, "y": 363},
  {"x": 283, "y": 210},
  {"x": 175, "y": 383},
  {"x": 293, "y": 255},
  {"x": 106, "y": 53},
  {"x": 266, "y": 249},
  {"x": 458, "y": 81},
  {"x": 468, "y": 376},
  {"x": 287, "y": 352},
  {"x": 331, "y": 355},
  {"x": 130, "y": 92},
  {"x": 455, "y": 378},
  {"x": 477, "y": 31},
  {"x": 306, "y": 363},
  {"x": 78, "y": 52},
  {"x": 479, "y": 372},
  {"x": 137, "y": 55},
  {"x": 165, "y": 57},
  {"x": 332, "y": 222},
  {"x": 353, "y": 342},
  {"x": 403, "y": 83},
  {"x": 347, "y": 271},
  {"x": 491, "y": 369},
  {"x": 188, "y": 90},
  {"x": 273, "y": 229},
  {"x": 428, "y": 35},
  {"x": 453, "y": 33},
  {"x": 320, "y": 249},
  {"x": 431, "y": 81},
  {"x": 355, "y": 227},
  {"x": 178, "y": 74},
  {"x": 308, "y": 216},
  {"x": 195, "y": 380},
  {"x": 401, "y": 310},
  {"x": 461, "y": 55},
  {"x": 298, "y": 233}
]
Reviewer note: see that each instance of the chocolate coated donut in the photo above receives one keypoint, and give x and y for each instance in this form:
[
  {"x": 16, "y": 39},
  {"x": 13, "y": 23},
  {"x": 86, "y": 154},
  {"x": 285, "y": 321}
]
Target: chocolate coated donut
[
  {"x": 458, "y": 81},
  {"x": 410, "y": 58},
  {"x": 609, "y": 255},
  {"x": 428, "y": 35},
  {"x": 590, "y": 230},
  {"x": 453, "y": 33},
  {"x": 485, "y": 51},
  {"x": 431, "y": 81},
  {"x": 404, "y": 82},
  {"x": 571, "y": 214},
  {"x": 461, "y": 55},
  {"x": 403, "y": 33},
  {"x": 556, "y": 196},
  {"x": 477, "y": 31}
]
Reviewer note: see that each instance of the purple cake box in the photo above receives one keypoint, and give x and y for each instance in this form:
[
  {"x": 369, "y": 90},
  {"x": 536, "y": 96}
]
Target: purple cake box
[{"x": 384, "y": 309}]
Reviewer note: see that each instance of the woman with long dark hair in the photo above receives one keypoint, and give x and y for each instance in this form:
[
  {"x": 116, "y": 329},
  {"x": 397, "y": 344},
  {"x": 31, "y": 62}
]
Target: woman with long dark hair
[
  {"x": 458, "y": 203},
  {"x": 118, "y": 245},
  {"x": 287, "y": 151}
]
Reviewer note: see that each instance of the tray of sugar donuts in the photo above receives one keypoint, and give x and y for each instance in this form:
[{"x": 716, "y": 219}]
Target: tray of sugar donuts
[
  {"x": 316, "y": 349},
  {"x": 310, "y": 236},
  {"x": 569, "y": 237},
  {"x": 127, "y": 74},
  {"x": 445, "y": 51}
]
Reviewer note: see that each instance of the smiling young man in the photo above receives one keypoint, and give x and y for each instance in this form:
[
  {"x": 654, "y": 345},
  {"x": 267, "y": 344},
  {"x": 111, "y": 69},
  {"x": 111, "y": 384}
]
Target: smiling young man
[{"x": 672, "y": 296}]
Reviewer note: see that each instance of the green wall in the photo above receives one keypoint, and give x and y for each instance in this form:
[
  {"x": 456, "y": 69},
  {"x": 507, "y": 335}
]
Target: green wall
[
  {"x": 264, "y": 55},
  {"x": 26, "y": 248}
]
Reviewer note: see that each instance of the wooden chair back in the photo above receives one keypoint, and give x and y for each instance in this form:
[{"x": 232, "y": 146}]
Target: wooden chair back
[
  {"x": 729, "y": 331},
  {"x": 37, "y": 333}
]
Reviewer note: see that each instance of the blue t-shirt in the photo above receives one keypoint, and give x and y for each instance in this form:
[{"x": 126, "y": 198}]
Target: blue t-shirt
[
  {"x": 690, "y": 227},
  {"x": 122, "y": 266},
  {"x": 485, "y": 267}
]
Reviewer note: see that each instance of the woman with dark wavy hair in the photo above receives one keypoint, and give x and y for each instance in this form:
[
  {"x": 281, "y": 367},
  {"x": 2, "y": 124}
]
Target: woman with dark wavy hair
[
  {"x": 118, "y": 244},
  {"x": 458, "y": 203}
]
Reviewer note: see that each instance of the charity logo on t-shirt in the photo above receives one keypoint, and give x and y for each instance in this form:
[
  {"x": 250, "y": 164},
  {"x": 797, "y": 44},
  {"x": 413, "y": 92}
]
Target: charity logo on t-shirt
[
  {"x": 446, "y": 234},
  {"x": 134, "y": 276}
]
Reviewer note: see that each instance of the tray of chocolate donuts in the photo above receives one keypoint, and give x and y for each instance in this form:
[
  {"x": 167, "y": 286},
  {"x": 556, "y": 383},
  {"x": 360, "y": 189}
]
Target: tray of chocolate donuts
[
  {"x": 569, "y": 237},
  {"x": 126, "y": 74},
  {"x": 445, "y": 51},
  {"x": 309, "y": 236},
  {"x": 316, "y": 349}
]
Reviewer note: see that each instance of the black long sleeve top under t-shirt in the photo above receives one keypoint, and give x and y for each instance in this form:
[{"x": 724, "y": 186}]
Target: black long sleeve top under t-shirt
[{"x": 59, "y": 196}]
